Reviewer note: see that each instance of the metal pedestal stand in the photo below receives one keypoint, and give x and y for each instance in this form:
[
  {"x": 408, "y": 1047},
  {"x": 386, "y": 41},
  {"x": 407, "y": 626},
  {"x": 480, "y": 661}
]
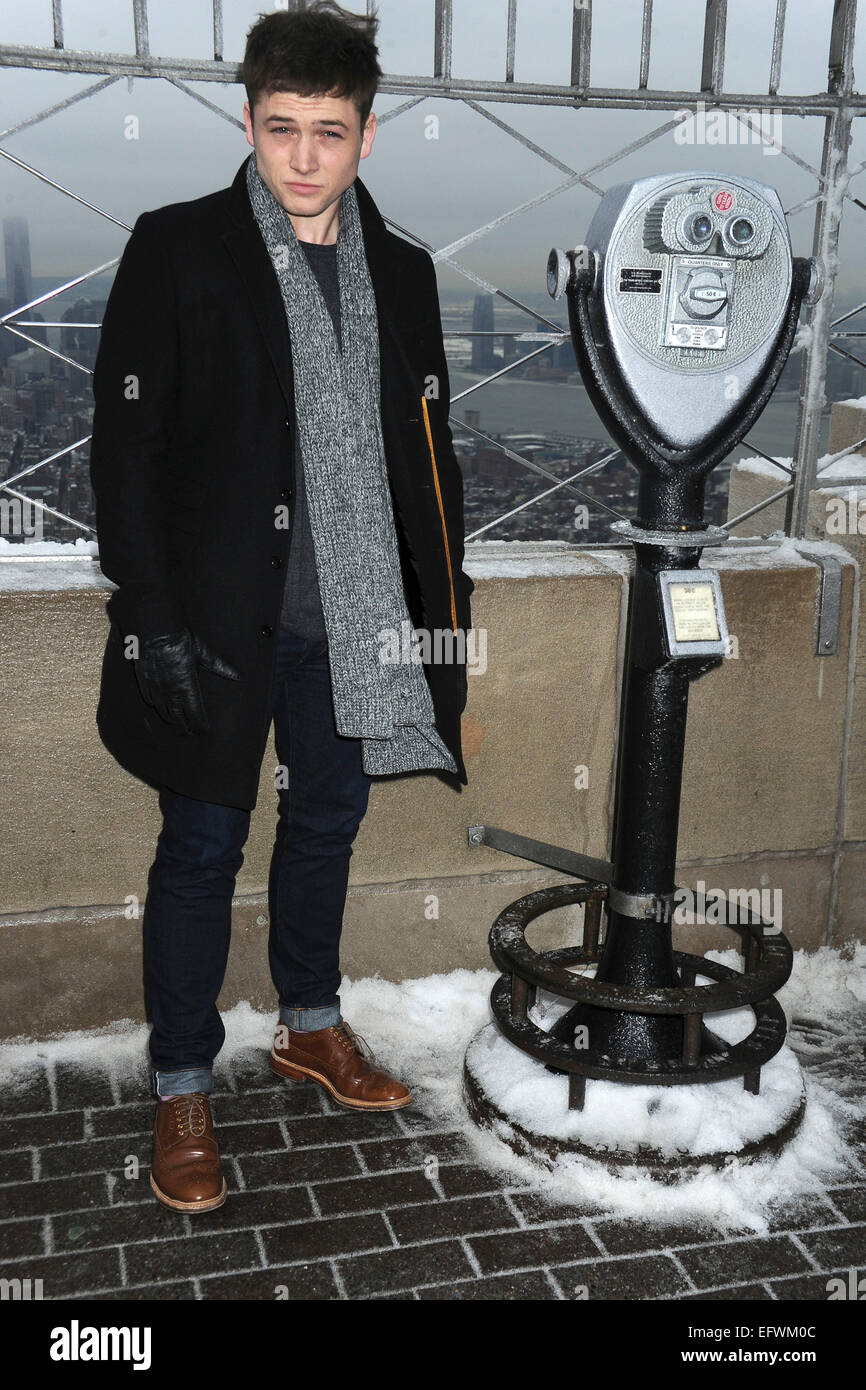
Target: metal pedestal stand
[{"x": 643, "y": 1013}]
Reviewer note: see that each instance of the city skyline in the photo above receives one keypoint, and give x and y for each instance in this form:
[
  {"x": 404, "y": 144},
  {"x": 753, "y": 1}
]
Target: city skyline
[{"x": 439, "y": 170}]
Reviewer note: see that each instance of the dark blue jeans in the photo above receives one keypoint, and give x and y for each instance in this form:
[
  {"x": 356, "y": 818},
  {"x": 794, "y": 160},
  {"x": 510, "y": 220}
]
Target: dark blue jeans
[{"x": 323, "y": 793}]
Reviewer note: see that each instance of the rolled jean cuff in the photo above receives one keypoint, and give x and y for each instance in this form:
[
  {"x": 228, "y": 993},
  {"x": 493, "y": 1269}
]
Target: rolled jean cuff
[
  {"x": 183, "y": 1083},
  {"x": 311, "y": 1020}
]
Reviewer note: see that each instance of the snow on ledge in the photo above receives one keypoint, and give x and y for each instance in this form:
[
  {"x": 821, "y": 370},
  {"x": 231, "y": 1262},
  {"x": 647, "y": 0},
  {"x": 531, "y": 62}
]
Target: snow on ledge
[
  {"x": 33, "y": 567},
  {"x": 765, "y": 468},
  {"x": 54, "y": 550},
  {"x": 529, "y": 559},
  {"x": 830, "y": 466},
  {"x": 777, "y": 552},
  {"x": 50, "y": 565}
]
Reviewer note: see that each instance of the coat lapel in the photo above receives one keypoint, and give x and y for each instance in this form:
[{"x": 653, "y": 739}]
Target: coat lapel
[
  {"x": 396, "y": 372},
  {"x": 247, "y": 249}
]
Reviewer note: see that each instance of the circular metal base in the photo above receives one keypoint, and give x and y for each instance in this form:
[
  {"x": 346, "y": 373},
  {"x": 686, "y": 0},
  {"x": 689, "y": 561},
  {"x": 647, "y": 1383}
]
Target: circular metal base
[
  {"x": 607, "y": 1007},
  {"x": 712, "y": 535},
  {"x": 545, "y": 1149}
]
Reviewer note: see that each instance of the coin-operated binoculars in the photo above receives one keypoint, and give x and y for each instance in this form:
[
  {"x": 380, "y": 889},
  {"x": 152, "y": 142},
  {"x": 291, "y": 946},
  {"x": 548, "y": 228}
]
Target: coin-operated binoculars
[{"x": 683, "y": 305}]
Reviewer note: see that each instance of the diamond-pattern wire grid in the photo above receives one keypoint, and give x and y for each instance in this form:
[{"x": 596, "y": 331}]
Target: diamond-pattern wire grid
[{"x": 838, "y": 106}]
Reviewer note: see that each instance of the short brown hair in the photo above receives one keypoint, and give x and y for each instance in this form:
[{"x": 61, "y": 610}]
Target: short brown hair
[{"x": 318, "y": 51}]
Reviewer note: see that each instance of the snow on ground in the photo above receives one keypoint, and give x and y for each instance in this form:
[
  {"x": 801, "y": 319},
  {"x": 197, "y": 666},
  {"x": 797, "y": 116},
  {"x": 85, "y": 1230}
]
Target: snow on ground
[
  {"x": 698, "y": 1119},
  {"x": 421, "y": 1029}
]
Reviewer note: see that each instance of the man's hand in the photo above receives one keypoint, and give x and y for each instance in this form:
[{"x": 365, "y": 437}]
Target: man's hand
[{"x": 168, "y": 680}]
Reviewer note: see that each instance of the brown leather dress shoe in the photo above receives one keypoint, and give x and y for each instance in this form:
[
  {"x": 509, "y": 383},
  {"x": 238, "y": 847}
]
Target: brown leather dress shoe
[
  {"x": 186, "y": 1173},
  {"x": 334, "y": 1058}
]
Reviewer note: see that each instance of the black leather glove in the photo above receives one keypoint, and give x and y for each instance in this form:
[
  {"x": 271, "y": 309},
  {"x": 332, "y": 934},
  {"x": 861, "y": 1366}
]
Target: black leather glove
[{"x": 168, "y": 680}]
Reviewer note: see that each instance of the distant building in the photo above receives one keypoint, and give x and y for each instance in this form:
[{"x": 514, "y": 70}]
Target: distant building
[
  {"x": 491, "y": 464},
  {"x": 483, "y": 356},
  {"x": 82, "y": 343},
  {"x": 19, "y": 283},
  {"x": 16, "y": 250},
  {"x": 8, "y": 341}
]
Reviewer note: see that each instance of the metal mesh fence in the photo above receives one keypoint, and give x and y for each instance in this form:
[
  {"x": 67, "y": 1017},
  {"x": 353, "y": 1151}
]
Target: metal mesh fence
[{"x": 542, "y": 468}]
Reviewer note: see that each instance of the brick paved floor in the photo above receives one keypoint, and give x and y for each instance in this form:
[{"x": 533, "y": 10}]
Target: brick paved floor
[{"x": 330, "y": 1204}]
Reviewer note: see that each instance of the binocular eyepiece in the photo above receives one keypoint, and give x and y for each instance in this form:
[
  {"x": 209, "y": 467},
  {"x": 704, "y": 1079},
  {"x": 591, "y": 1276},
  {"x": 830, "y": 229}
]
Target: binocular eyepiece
[{"x": 688, "y": 283}]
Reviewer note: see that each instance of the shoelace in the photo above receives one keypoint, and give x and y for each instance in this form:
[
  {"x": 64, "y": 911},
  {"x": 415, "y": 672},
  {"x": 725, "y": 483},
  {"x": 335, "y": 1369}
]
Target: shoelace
[
  {"x": 190, "y": 1114},
  {"x": 352, "y": 1040}
]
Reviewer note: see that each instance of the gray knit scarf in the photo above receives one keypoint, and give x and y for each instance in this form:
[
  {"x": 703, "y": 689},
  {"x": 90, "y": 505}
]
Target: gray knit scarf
[{"x": 337, "y": 408}]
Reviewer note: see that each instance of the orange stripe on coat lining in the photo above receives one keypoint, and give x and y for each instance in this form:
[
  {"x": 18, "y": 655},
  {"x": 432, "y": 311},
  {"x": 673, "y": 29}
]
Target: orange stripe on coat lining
[{"x": 441, "y": 511}]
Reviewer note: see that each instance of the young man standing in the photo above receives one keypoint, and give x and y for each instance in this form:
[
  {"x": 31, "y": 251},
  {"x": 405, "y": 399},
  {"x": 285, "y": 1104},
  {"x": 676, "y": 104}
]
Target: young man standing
[{"x": 276, "y": 492}]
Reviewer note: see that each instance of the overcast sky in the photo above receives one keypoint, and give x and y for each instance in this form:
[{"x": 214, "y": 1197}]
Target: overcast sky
[{"x": 441, "y": 189}]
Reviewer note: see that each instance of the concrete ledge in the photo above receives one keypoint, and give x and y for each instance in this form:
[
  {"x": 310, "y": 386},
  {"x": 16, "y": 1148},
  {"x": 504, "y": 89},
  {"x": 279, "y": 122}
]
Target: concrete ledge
[
  {"x": 85, "y": 964},
  {"x": 766, "y": 766}
]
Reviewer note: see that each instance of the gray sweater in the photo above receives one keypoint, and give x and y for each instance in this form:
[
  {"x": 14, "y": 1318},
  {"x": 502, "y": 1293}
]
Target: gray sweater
[{"x": 302, "y": 604}]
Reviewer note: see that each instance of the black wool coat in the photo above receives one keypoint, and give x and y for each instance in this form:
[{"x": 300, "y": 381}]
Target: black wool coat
[{"x": 192, "y": 463}]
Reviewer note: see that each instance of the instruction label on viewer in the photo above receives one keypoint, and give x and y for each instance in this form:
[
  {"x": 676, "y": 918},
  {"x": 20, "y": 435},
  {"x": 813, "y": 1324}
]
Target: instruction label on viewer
[{"x": 694, "y": 611}]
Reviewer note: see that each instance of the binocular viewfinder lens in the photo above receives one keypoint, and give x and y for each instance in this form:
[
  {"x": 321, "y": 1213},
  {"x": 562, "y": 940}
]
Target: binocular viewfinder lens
[
  {"x": 742, "y": 230},
  {"x": 700, "y": 227}
]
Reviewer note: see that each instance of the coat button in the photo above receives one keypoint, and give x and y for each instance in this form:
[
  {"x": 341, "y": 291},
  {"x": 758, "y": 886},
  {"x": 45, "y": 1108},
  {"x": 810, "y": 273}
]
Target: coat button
[
  {"x": 265, "y": 630},
  {"x": 285, "y": 492},
  {"x": 276, "y": 562}
]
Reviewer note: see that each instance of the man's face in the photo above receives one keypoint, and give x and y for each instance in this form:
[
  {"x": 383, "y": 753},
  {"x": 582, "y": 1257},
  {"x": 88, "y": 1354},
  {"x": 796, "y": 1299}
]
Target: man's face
[{"x": 308, "y": 149}]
